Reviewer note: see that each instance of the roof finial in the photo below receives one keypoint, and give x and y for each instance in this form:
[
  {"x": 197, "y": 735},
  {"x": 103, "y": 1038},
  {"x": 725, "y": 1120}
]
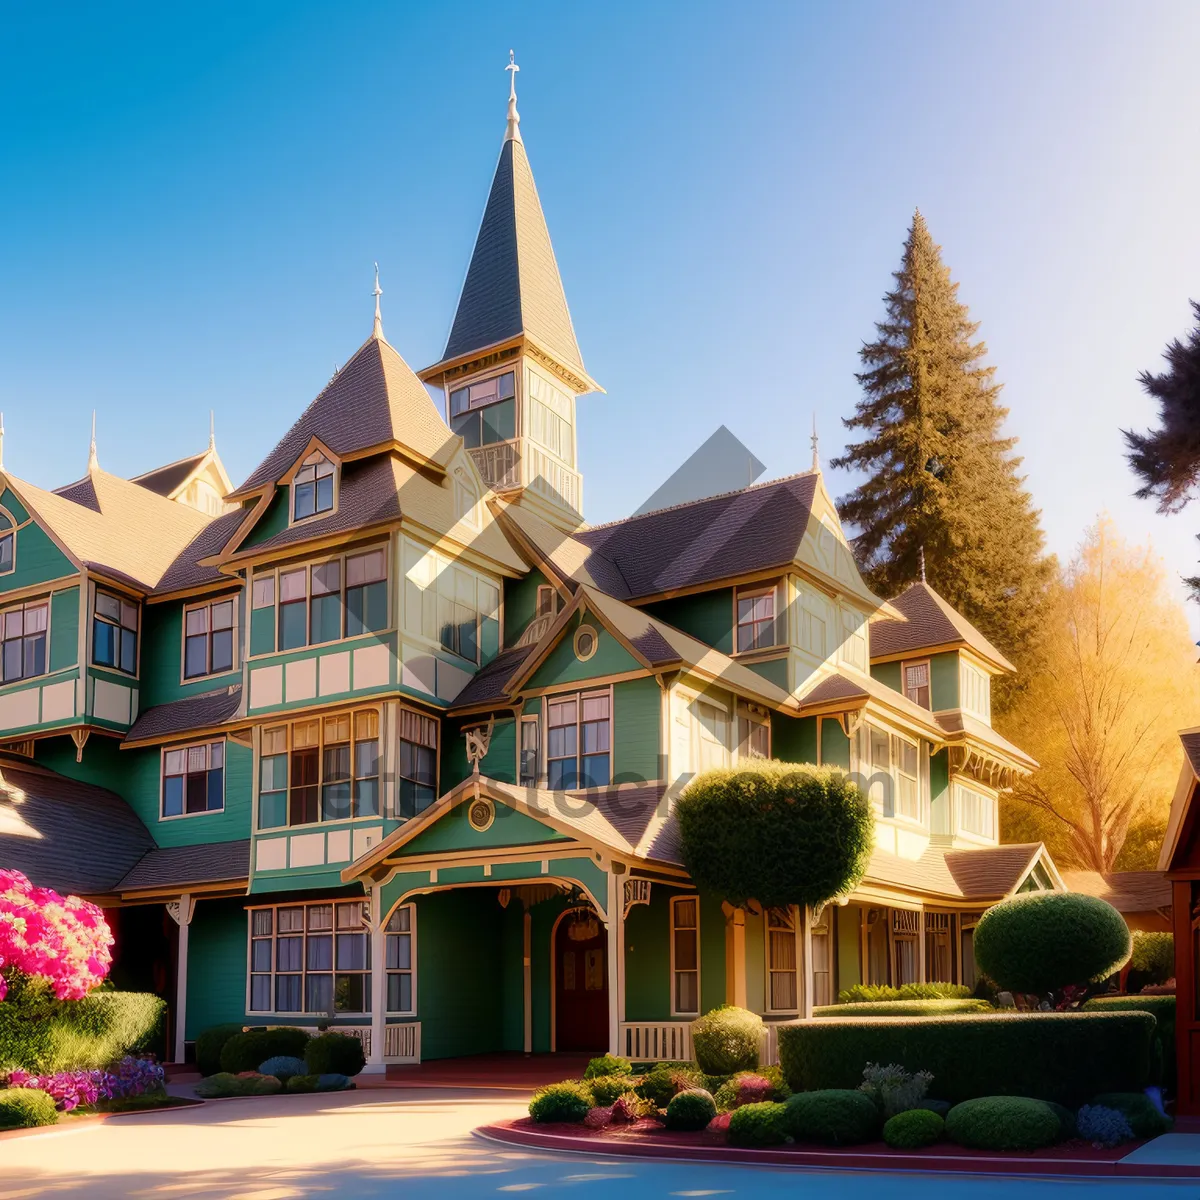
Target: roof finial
[
  {"x": 93, "y": 460},
  {"x": 513, "y": 133},
  {"x": 815, "y": 446},
  {"x": 921, "y": 560},
  {"x": 378, "y": 330},
  {"x": 1, "y": 441},
  {"x": 212, "y": 430}
]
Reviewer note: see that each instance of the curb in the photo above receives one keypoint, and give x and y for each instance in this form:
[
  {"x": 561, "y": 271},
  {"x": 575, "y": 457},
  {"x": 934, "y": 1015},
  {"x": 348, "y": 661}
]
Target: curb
[{"x": 67, "y": 1122}]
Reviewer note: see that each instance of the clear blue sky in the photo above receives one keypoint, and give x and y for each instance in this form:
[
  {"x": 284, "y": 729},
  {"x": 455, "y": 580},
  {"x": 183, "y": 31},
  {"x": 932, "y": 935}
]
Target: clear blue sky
[{"x": 191, "y": 197}]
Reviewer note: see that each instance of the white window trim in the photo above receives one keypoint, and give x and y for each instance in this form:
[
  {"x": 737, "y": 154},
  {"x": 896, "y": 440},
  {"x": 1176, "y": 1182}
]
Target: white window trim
[
  {"x": 675, "y": 900},
  {"x": 412, "y": 934},
  {"x": 32, "y": 602},
  {"x": 768, "y": 971},
  {"x": 235, "y": 597},
  {"x": 959, "y": 827},
  {"x": 125, "y": 598},
  {"x": 336, "y": 463},
  {"x": 866, "y": 772},
  {"x": 11, "y": 531},
  {"x": 535, "y": 720},
  {"x": 162, "y": 777},
  {"x": 967, "y": 667},
  {"x": 776, "y": 588},
  {"x": 579, "y": 694},
  {"x": 743, "y": 714},
  {"x": 511, "y": 366}
]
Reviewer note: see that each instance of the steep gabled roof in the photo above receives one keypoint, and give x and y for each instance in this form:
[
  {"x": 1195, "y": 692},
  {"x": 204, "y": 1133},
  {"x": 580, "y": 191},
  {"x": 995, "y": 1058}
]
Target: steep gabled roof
[
  {"x": 980, "y": 876},
  {"x": 164, "y": 480},
  {"x": 374, "y": 401},
  {"x": 187, "y": 570},
  {"x": 929, "y": 621}
]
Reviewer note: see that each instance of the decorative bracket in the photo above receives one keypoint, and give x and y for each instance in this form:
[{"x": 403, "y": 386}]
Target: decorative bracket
[
  {"x": 79, "y": 737},
  {"x": 180, "y": 911},
  {"x": 637, "y": 891},
  {"x": 478, "y": 741}
]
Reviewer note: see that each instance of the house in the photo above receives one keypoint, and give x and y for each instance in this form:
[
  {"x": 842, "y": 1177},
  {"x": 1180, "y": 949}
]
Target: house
[{"x": 388, "y": 735}]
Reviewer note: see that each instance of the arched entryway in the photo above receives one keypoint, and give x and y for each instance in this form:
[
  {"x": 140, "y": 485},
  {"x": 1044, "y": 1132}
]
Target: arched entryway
[{"x": 580, "y": 982}]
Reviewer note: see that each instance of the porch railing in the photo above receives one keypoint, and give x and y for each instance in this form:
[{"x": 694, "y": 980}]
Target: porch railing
[
  {"x": 402, "y": 1043},
  {"x": 657, "y": 1041}
]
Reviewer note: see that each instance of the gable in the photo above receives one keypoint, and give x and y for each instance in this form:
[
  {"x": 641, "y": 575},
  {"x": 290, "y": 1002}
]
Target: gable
[
  {"x": 37, "y": 559},
  {"x": 454, "y": 832},
  {"x": 272, "y": 522},
  {"x": 825, "y": 549},
  {"x": 561, "y": 665}
]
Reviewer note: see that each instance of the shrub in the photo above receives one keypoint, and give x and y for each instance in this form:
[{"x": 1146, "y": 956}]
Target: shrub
[
  {"x": 302, "y": 1083},
  {"x": 902, "y": 1008},
  {"x": 1067, "y": 1057},
  {"x": 244, "y": 1051},
  {"x": 336, "y": 1053},
  {"x": 727, "y": 1039},
  {"x": 1003, "y": 1123},
  {"x": 334, "y": 1081},
  {"x": 283, "y": 1067},
  {"x": 748, "y": 1087},
  {"x": 757, "y": 1125},
  {"x": 608, "y": 1088},
  {"x": 1138, "y": 1109},
  {"x": 663, "y": 1081},
  {"x": 689, "y": 1110},
  {"x": 1044, "y": 941},
  {"x": 775, "y": 833},
  {"x": 1066, "y": 1119},
  {"x": 630, "y": 1107},
  {"x": 1153, "y": 956},
  {"x": 893, "y": 1089},
  {"x": 912, "y": 1129},
  {"x": 569, "y": 1101},
  {"x": 1163, "y": 1010},
  {"x": 607, "y": 1064},
  {"x": 881, "y": 993},
  {"x": 26, "y": 1108},
  {"x": 246, "y": 1083},
  {"x": 1103, "y": 1126},
  {"x": 209, "y": 1046},
  {"x": 834, "y": 1117}
]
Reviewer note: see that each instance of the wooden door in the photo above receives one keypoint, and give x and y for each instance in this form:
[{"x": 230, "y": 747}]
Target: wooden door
[{"x": 580, "y": 983}]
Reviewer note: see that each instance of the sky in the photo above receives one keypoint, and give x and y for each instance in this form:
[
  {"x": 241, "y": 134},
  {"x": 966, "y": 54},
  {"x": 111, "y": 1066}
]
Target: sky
[{"x": 192, "y": 197}]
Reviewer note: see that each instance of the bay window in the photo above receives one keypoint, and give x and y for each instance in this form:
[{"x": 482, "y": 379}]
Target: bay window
[
  {"x": 193, "y": 779},
  {"x": 208, "y": 638},
  {"x": 579, "y": 740},
  {"x": 312, "y": 487},
  {"x": 418, "y": 763},
  {"x": 976, "y": 688},
  {"x": 484, "y": 413},
  {"x": 976, "y": 812},
  {"x": 399, "y": 936},
  {"x": 114, "y": 632},
  {"x": 893, "y": 772},
  {"x": 24, "y": 632},
  {"x": 854, "y": 638},
  {"x": 685, "y": 956},
  {"x": 449, "y": 604}
]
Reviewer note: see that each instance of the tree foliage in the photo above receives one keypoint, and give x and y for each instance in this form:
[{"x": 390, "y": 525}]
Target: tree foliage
[
  {"x": 1116, "y": 681},
  {"x": 941, "y": 482}
]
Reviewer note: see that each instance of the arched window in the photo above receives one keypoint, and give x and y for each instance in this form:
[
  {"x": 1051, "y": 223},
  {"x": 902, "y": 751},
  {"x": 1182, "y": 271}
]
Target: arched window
[
  {"x": 312, "y": 488},
  {"x": 8, "y": 544}
]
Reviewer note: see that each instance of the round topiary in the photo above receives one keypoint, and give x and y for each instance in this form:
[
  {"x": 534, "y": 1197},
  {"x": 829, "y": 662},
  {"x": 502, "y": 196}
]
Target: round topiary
[
  {"x": 775, "y": 833},
  {"x": 244, "y": 1051},
  {"x": 1003, "y": 1123},
  {"x": 757, "y": 1124},
  {"x": 26, "y": 1108},
  {"x": 690, "y": 1110},
  {"x": 209, "y": 1045},
  {"x": 1043, "y": 941},
  {"x": 607, "y": 1064},
  {"x": 913, "y": 1129},
  {"x": 727, "y": 1040},
  {"x": 334, "y": 1053},
  {"x": 569, "y": 1101},
  {"x": 283, "y": 1067},
  {"x": 834, "y": 1117}
]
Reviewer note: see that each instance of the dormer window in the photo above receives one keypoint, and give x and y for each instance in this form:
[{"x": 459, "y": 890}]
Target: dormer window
[
  {"x": 312, "y": 487},
  {"x": 486, "y": 412},
  {"x": 8, "y": 539}
]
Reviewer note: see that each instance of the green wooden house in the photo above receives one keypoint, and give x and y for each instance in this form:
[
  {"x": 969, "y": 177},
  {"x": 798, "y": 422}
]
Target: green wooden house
[{"x": 389, "y": 736}]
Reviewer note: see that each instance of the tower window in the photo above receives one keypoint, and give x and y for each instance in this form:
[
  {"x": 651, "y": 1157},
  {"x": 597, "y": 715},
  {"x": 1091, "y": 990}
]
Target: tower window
[
  {"x": 8, "y": 540},
  {"x": 312, "y": 488},
  {"x": 916, "y": 683},
  {"x": 486, "y": 412}
]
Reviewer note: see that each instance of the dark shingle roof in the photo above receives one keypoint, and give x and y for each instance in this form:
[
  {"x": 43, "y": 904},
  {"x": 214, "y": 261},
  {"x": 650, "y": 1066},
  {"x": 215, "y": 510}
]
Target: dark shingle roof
[
  {"x": 929, "y": 620},
  {"x": 1126, "y": 891},
  {"x": 757, "y": 529},
  {"x": 164, "y": 480},
  {"x": 1191, "y": 747},
  {"x": 204, "y": 711},
  {"x": 188, "y": 866},
  {"x": 186, "y": 571},
  {"x": 71, "y": 836},
  {"x": 82, "y": 491},
  {"x": 490, "y": 682}
]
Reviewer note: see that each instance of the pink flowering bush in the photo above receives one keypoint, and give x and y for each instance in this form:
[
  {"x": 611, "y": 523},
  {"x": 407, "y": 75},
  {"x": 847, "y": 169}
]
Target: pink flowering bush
[{"x": 61, "y": 939}]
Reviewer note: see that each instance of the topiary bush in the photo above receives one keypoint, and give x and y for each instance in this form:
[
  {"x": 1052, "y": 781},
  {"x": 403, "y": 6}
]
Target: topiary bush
[
  {"x": 26, "y": 1108},
  {"x": 690, "y": 1110},
  {"x": 607, "y": 1088},
  {"x": 912, "y": 1129},
  {"x": 881, "y": 993},
  {"x": 607, "y": 1064},
  {"x": 1163, "y": 1010},
  {"x": 334, "y": 1053},
  {"x": 833, "y": 1117},
  {"x": 209, "y": 1045},
  {"x": 244, "y": 1051},
  {"x": 1043, "y": 941},
  {"x": 775, "y": 833},
  {"x": 1103, "y": 1126},
  {"x": 1138, "y": 1109},
  {"x": 903, "y": 1008},
  {"x": 245, "y": 1083},
  {"x": 569, "y": 1101},
  {"x": 1050, "y": 1056},
  {"x": 1152, "y": 957},
  {"x": 283, "y": 1067},
  {"x": 727, "y": 1040},
  {"x": 757, "y": 1125},
  {"x": 1003, "y": 1123}
]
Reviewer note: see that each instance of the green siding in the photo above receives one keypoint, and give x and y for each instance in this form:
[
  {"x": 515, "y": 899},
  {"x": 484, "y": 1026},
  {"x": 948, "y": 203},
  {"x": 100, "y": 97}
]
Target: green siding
[
  {"x": 943, "y": 681},
  {"x": 217, "y": 949},
  {"x": 706, "y": 615},
  {"x": 37, "y": 558},
  {"x": 774, "y": 669},
  {"x": 500, "y": 762},
  {"x": 835, "y": 745},
  {"x": 712, "y": 952},
  {"x": 562, "y": 667},
  {"x": 64, "y": 629},
  {"x": 939, "y": 774},
  {"x": 262, "y": 630},
  {"x": 888, "y": 673},
  {"x": 453, "y": 832},
  {"x": 273, "y": 521},
  {"x": 636, "y": 731},
  {"x": 792, "y": 739},
  {"x": 520, "y": 604},
  {"x": 162, "y": 657}
]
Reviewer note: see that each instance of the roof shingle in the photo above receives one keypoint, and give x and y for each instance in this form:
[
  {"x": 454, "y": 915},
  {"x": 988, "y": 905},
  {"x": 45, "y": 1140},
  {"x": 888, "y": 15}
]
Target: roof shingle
[
  {"x": 205, "y": 711},
  {"x": 190, "y": 866},
  {"x": 929, "y": 621}
]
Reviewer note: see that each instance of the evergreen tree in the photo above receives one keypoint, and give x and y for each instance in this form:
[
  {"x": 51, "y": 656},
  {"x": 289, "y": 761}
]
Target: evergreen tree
[{"x": 941, "y": 483}]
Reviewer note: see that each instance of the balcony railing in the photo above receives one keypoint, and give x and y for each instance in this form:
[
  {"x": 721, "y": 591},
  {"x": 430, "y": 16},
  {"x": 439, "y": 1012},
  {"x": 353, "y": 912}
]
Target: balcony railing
[{"x": 499, "y": 464}]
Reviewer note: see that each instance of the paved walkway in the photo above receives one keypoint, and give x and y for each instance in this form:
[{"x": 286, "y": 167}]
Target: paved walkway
[{"x": 402, "y": 1145}]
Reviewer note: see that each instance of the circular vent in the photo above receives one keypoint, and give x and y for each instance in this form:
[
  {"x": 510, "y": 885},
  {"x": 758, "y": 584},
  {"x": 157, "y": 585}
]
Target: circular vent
[
  {"x": 481, "y": 814},
  {"x": 585, "y": 642}
]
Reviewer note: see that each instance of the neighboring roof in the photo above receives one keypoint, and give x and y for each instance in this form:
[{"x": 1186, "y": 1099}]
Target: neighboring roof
[
  {"x": 929, "y": 621},
  {"x": 186, "y": 571},
  {"x": 1126, "y": 891},
  {"x": 490, "y": 682},
  {"x": 205, "y": 711},
  {"x": 1181, "y": 801},
  {"x": 513, "y": 287},
  {"x": 960, "y": 726},
  {"x": 165, "y": 480},
  {"x": 855, "y": 691},
  {"x": 756, "y": 529},
  {"x": 190, "y": 866},
  {"x": 987, "y": 874},
  {"x": 1191, "y": 749},
  {"x": 374, "y": 400},
  {"x": 70, "y": 836}
]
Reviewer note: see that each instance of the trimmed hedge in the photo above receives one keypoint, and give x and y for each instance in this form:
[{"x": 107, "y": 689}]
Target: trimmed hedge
[
  {"x": 1065, "y": 1057},
  {"x": 882, "y": 993},
  {"x": 1003, "y": 1123},
  {"x": 334, "y": 1054},
  {"x": 1163, "y": 1010},
  {"x": 209, "y": 1045},
  {"x": 607, "y": 1089},
  {"x": 245, "y": 1051},
  {"x": 1043, "y": 941},
  {"x": 903, "y": 1008},
  {"x": 246, "y": 1083},
  {"x": 775, "y": 833},
  {"x": 569, "y": 1101},
  {"x": 833, "y": 1117},
  {"x": 757, "y": 1125},
  {"x": 691, "y": 1110},
  {"x": 913, "y": 1129},
  {"x": 727, "y": 1040},
  {"x": 26, "y": 1108}
]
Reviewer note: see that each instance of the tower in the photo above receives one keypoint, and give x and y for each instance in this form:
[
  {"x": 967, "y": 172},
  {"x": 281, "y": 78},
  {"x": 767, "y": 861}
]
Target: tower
[{"x": 511, "y": 370}]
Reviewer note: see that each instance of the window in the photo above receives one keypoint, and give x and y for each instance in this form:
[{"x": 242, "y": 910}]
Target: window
[
  {"x": 892, "y": 770},
  {"x": 418, "y": 762},
  {"x": 547, "y": 601},
  {"x": 578, "y": 741},
  {"x": 585, "y": 643},
  {"x": 448, "y": 604},
  {"x": 976, "y": 812},
  {"x": 550, "y": 414},
  {"x": 401, "y": 961},
  {"x": 23, "y": 631},
  {"x": 685, "y": 956},
  {"x": 760, "y": 620},
  {"x": 976, "y": 687},
  {"x": 530, "y": 745},
  {"x": 754, "y": 737},
  {"x": 712, "y": 731},
  {"x": 939, "y": 948},
  {"x": 312, "y": 487},
  {"x": 815, "y": 615},
  {"x": 908, "y": 780},
  {"x": 114, "y": 633},
  {"x": 854, "y": 638},
  {"x": 208, "y": 639},
  {"x": 782, "y": 960},
  {"x": 916, "y": 683},
  {"x": 322, "y": 769},
  {"x": 310, "y": 958},
  {"x": 8, "y": 545},
  {"x": 193, "y": 780},
  {"x": 486, "y": 412},
  {"x": 822, "y": 957}
]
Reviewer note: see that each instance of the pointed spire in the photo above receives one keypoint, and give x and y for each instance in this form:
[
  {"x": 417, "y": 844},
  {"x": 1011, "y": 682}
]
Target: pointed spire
[
  {"x": 816, "y": 464},
  {"x": 93, "y": 460},
  {"x": 513, "y": 132},
  {"x": 921, "y": 560},
  {"x": 212, "y": 430},
  {"x": 1, "y": 441},
  {"x": 377, "y": 332}
]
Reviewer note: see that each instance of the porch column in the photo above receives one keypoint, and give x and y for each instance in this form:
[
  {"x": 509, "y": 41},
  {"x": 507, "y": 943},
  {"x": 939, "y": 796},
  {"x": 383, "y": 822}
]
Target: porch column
[
  {"x": 616, "y": 943},
  {"x": 527, "y": 975},
  {"x": 806, "y": 971},
  {"x": 1185, "y": 994},
  {"x": 375, "y": 1064},
  {"x": 180, "y": 911},
  {"x": 922, "y": 965},
  {"x": 735, "y": 956}
]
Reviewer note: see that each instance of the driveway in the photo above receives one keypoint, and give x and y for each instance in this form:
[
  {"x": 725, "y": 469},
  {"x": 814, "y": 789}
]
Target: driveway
[{"x": 406, "y": 1144}]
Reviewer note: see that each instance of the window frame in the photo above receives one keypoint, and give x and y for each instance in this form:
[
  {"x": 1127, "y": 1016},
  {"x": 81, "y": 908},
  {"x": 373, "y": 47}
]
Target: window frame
[
  {"x": 742, "y": 751},
  {"x": 24, "y": 606},
  {"x": 578, "y": 695},
  {"x": 968, "y": 670},
  {"x": 859, "y": 635},
  {"x": 398, "y": 814},
  {"x": 913, "y": 664},
  {"x": 472, "y": 381},
  {"x": 184, "y": 748},
  {"x": 905, "y": 937},
  {"x": 8, "y": 533},
  {"x": 208, "y": 605},
  {"x": 959, "y": 791},
  {"x": 534, "y": 721},
  {"x": 777, "y": 590},
  {"x": 770, "y": 970},
  {"x": 314, "y": 457},
  {"x": 121, "y": 628},
  {"x": 693, "y": 898},
  {"x": 411, "y": 933}
]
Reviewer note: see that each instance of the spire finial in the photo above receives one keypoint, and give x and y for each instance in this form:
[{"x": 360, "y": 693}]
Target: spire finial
[
  {"x": 93, "y": 460},
  {"x": 816, "y": 466},
  {"x": 378, "y": 330},
  {"x": 212, "y": 430},
  {"x": 513, "y": 133},
  {"x": 921, "y": 561},
  {"x": 1, "y": 441}
]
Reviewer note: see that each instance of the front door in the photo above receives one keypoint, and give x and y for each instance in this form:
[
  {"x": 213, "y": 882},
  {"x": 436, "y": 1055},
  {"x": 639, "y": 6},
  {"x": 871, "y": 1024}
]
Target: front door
[{"x": 580, "y": 983}]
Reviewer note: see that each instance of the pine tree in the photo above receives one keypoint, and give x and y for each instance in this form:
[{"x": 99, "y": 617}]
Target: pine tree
[{"x": 942, "y": 484}]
